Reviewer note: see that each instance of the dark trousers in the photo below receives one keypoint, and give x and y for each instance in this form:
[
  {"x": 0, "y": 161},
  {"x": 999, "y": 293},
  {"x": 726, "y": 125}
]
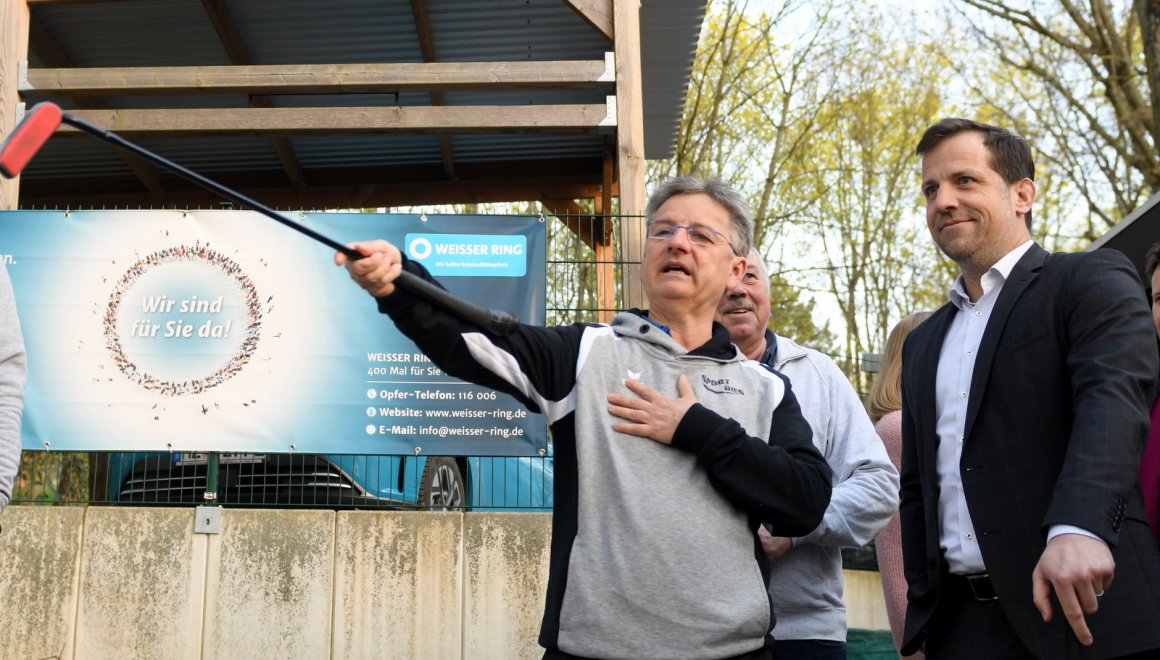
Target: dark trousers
[
  {"x": 963, "y": 628},
  {"x": 809, "y": 649}
]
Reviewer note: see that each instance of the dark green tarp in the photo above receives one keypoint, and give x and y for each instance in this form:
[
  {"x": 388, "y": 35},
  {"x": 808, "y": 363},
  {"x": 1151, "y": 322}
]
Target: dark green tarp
[{"x": 870, "y": 645}]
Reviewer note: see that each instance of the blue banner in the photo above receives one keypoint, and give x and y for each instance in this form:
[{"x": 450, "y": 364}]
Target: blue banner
[
  {"x": 226, "y": 331},
  {"x": 469, "y": 255}
]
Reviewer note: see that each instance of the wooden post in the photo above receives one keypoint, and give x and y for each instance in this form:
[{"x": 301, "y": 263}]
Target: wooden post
[
  {"x": 14, "y": 19},
  {"x": 604, "y": 250},
  {"x": 630, "y": 145}
]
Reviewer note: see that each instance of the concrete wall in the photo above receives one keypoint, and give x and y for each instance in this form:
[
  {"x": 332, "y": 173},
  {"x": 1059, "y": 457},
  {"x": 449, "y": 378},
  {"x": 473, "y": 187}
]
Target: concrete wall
[
  {"x": 138, "y": 582},
  {"x": 865, "y": 604}
]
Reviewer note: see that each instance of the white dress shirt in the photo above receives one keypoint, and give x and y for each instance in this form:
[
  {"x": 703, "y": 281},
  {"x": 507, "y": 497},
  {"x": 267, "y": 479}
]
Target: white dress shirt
[{"x": 956, "y": 365}]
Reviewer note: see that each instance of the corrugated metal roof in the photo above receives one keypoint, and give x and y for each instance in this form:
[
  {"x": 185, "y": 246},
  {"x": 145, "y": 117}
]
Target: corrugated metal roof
[
  {"x": 669, "y": 33},
  {"x": 278, "y": 32},
  {"x": 161, "y": 32}
]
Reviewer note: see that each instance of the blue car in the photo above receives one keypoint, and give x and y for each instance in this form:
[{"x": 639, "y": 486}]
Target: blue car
[{"x": 500, "y": 483}]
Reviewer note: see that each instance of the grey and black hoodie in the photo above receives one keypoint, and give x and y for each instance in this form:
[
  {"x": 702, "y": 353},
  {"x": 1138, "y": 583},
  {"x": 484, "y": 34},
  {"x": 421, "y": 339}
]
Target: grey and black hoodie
[{"x": 654, "y": 547}]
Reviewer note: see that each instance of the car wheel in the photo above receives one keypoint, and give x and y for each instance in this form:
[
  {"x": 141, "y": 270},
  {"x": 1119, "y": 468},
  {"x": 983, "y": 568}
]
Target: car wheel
[{"x": 442, "y": 486}]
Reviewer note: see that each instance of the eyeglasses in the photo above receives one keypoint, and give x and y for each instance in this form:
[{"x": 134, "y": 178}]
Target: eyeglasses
[{"x": 698, "y": 235}]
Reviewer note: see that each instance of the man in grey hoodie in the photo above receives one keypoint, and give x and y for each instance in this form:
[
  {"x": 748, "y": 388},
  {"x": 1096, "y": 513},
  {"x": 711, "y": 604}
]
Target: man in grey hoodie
[
  {"x": 12, "y": 374},
  {"x": 670, "y": 447},
  {"x": 806, "y": 584}
]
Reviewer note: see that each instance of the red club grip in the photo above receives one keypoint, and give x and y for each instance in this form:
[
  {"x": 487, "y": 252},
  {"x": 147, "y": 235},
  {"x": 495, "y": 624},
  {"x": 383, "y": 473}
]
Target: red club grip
[{"x": 28, "y": 137}]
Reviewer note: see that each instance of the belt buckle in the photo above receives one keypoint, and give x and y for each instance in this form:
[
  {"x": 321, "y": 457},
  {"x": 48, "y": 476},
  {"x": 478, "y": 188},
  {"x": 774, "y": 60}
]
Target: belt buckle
[{"x": 981, "y": 587}]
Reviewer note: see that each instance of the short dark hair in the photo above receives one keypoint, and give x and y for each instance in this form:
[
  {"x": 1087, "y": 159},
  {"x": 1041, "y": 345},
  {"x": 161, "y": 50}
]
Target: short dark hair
[
  {"x": 740, "y": 217},
  {"x": 1151, "y": 262},
  {"x": 1007, "y": 153}
]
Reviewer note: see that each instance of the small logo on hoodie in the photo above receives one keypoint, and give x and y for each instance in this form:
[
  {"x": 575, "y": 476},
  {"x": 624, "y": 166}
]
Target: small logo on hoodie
[
  {"x": 632, "y": 375},
  {"x": 720, "y": 385}
]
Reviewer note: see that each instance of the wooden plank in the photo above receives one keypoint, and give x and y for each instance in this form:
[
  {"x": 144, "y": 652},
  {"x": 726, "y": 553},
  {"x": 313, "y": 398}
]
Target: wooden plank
[
  {"x": 423, "y": 30},
  {"x": 231, "y": 38},
  {"x": 598, "y": 14},
  {"x": 45, "y": 47},
  {"x": 14, "y": 16},
  {"x": 319, "y": 78},
  {"x": 427, "y": 47},
  {"x": 605, "y": 250},
  {"x": 51, "y": 54},
  {"x": 588, "y": 227},
  {"x": 581, "y": 118},
  {"x": 227, "y": 31},
  {"x": 630, "y": 163}
]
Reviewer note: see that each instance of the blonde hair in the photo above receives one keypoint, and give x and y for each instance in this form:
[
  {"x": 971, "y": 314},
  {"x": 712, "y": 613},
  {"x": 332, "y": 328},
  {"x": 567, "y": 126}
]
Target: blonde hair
[{"x": 886, "y": 392}]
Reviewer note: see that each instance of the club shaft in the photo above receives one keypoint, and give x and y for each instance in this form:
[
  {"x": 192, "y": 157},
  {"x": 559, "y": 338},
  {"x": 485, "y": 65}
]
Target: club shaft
[
  {"x": 203, "y": 182},
  {"x": 496, "y": 321}
]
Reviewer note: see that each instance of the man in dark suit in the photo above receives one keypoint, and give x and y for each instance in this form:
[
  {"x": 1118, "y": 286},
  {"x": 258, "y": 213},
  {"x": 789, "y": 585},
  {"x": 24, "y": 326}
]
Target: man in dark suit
[{"x": 1025, "y": 409}]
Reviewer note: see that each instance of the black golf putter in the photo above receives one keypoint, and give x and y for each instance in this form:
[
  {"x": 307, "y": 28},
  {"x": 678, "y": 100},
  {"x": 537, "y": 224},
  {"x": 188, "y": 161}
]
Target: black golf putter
[{"x": 43, "y": 119}]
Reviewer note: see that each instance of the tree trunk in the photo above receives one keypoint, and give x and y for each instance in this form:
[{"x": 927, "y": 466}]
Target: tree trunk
[{"x": 1148, "y": 12}]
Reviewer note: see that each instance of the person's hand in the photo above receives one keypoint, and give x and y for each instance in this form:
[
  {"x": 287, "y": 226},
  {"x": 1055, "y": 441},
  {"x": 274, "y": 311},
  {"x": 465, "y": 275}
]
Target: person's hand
[
  {"x": 377, "y": 270},
  {"x": 651, "y": 414},
  {"x": 1079, "y": 568},
  {"x": 775, "y": 546}
]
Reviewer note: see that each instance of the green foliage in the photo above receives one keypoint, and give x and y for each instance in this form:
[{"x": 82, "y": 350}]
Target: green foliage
[
  {"x": 1078, "y": 80},
  {"x": 813, "y": 110},
  {"x": 793, "y": 317},
  {"x": 52, "y": 478},
  {"x": 577, "y": 272}
]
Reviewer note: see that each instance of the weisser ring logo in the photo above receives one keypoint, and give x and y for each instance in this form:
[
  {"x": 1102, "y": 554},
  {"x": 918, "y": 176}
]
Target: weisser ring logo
[{"x": 419, "y": 249}]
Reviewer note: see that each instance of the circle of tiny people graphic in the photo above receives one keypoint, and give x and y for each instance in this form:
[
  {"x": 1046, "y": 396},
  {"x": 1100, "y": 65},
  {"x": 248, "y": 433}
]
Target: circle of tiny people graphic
[{"x": 194, "y": 254}]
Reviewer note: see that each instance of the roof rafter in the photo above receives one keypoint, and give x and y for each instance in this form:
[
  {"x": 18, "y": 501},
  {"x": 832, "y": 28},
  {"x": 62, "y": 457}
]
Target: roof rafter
[
  {"x": 235, "y": 45},
  {"x": 427, "y": 48},
  {"x": 50, "y": 52},
  {"x": 598, "y": 14}
]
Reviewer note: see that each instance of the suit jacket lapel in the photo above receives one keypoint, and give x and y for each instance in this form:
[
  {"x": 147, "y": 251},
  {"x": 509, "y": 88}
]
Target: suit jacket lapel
[
  {"x": 1025, "y": 272},
  {"x": 926, "y": 366}
]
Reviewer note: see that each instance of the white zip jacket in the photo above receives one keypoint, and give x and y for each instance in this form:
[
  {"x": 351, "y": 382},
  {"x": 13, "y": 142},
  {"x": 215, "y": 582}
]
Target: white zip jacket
[{"x": 806, "y": 584}]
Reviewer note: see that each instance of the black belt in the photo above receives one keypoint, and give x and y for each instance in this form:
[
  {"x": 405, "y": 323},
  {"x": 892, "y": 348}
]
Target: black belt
[{"x": 977, "y": 586}]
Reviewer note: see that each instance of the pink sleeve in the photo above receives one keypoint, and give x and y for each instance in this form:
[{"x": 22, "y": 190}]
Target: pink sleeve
[{"x": 888, "y": 545}]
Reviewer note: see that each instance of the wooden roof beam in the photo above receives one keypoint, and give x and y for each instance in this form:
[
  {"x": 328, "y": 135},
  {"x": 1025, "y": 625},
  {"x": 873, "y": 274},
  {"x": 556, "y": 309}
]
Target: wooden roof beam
[
  {"x": 427, "y": 48},
  {"x": 598, "y": 14},
  {"x": 63, "y": 80},
  {"x": 630, "y": 161},
  {"x": 590, "y": 228},
  {"x": 579, "y": 118},
  {"x": 594, "y": 231},
  {"x": 235, "y": 45},
  {"x": 49, "y": 51}
]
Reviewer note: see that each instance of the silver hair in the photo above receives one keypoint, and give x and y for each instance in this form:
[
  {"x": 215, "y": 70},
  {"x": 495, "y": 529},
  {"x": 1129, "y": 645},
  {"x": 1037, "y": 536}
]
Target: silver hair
[
  {"x": 754, "y": 256},
  {"x": 740, "y": 216}
]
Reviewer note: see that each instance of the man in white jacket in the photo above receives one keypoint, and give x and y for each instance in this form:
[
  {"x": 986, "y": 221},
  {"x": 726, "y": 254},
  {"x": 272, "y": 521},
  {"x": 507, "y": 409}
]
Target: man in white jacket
[
  {"x": 806, "y": 585},
  {"x": 12, "y": 374}
]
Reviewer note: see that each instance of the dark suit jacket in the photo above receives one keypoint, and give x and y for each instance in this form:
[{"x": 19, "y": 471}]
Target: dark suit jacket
[{"x": 1057, "y": 417}]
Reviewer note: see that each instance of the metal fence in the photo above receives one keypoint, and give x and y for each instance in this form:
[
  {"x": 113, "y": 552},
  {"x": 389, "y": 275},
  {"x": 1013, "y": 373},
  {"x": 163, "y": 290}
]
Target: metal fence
[
  {"x": 332, "y": 481},
  {"x": 340, "y": 481},
  {"x": 585, "y": 283}
]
